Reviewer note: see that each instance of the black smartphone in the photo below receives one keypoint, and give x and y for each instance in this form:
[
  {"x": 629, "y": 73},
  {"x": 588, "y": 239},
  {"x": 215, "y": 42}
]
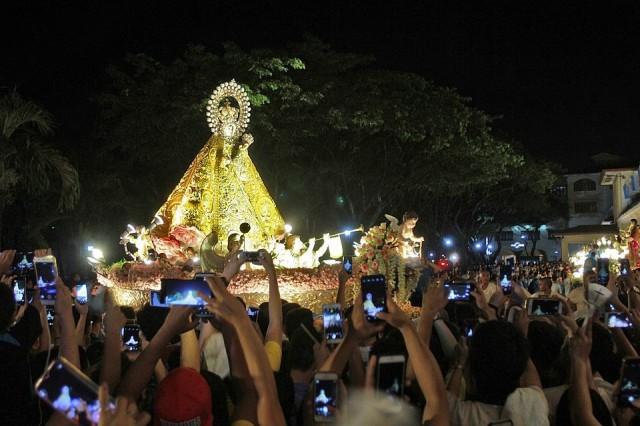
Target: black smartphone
[
  {"x": 51, "y": 314},
  {"x": 630, "y": 382},
  {"x": 459, "y": 291},
  {"x": 22, "y": 263},
  {"x": 252, "y": 312},
  {"x": 506, "y": 277},
  {"x": 325, "y": 397},
  {"x": 625, "y": 267},
  {"x": 82, "y": 296},
  {"x": 347, "y": 264},
  {"x": 332, "y": 320},
  {"x": 253, "y": 257},
  {"x": 374, "y": 295},
  {"x": 185, "y": 292},
  {"x": 390, "y": 375},
  {"x": 70, "y": 392},
  {"x": 46, "y": 274},
  {"x": 131, "y": 338},
  {"x": 19, "y": 290},
  {"x": 602, "y": 271},
  {"x": 617, "y": 320},
  {"x": 537, "y": 306}
]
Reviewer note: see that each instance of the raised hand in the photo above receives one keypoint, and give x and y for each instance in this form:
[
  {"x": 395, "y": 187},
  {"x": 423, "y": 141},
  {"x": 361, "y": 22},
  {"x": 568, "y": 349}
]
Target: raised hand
[
  {"x": 63, "y": 301},
  {"x": 224, "y": 304},
  {"x": 395, "y": 316},
  {"x": 232, "y": 268},
  {"x": 360, "y": 326},
  {"x": 434, "y": 299},
  {"x": 265, "y": 260},
  {"x": 580, "y": 342},
  {"x": 179, "y": 320},
  {"x": 6, "y": 260},
  {"x": 125, "y": 414}
]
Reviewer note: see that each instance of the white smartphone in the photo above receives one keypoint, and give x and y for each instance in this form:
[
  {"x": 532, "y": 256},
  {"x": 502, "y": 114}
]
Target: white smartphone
[
  {"x": 537, "y": 306},
  {"x": 391, "y": 375},
  {"x": 332, "y": 319},
  {"x": 325, "y": 397},
  {"x": 46, "y": 269}
]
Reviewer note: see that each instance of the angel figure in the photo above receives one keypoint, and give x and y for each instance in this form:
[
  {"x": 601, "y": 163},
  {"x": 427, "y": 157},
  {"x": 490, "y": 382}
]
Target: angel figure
[{"x": 405, "y": 229}]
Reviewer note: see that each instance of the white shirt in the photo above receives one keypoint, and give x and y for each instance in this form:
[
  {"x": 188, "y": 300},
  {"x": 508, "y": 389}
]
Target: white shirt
[{"x": 525, "y": 406}]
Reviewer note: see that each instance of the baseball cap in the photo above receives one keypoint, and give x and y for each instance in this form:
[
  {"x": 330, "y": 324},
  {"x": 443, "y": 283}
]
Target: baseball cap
[{"x": 183, "y": 398}]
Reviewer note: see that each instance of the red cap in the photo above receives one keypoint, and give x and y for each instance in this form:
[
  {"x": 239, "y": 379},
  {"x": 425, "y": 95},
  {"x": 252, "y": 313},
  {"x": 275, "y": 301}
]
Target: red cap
[{"x": 183, "y": 398}]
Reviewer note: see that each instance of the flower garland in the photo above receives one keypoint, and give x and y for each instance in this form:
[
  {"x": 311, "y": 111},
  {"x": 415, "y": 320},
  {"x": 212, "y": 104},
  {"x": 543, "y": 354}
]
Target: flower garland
[{"x": 377, "y": 253}]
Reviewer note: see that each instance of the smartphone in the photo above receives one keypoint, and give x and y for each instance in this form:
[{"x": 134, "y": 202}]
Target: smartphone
[
  {"x": 70, "y": 392},
  {"x": 390, "y": 375},
  {"x": 325, "y": 397},
  {"x": 51, "y": 314},
  {"x": 131, "y": 338},
  {"x": 602, "y": 271},
  {"x": 332, "y": 320},
  {"x": 81, "y": 294},
  {"x": 617, "y": 320},
  {"x": 625, "y": 267},
  {"x": 506, "y": 277},
  {"x": 347, "y": 264},
  {"x": 22, "y": 263},
  {"x": 541, "y": 307},
  {"x": 46, "y": 273},
  {"x": 630, "y": 382},
  {"x": 19, "y": 290},
  {"x": 253, "y": 257},
  {"x": 459, "y": 292},
  {"x": 252, "y": 311},
  {"x": 374, "y": 295},
  {"x": 185, "y": 292},
  {"x": 156, "y": 300}
]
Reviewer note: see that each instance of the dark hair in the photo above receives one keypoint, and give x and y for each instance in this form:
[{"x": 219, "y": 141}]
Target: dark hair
[
  {"x": 546, "y": 347},
  {"x": 498, "y": 355},
  {"x": 599, "y": 410},
  {"x": 295, "y": 318},
  {"x": 219, "y": 407},
  {"x": 409, "y": 215},
  {"x": 151, "y": 319},
  {"x": 603, "y": 358},
  {"x": 263, "y": 317},
  {"x": 128, "y": 312},
  {"x": 7, "y": 307},
  {"x": 300, "y": 351}
]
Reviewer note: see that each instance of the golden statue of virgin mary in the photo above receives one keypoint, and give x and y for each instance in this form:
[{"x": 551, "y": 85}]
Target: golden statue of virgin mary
[{"x": 222, "y": 188}]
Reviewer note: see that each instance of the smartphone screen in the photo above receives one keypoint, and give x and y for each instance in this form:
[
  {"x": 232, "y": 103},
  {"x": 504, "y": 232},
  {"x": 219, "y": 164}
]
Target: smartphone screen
[
  {"x": 156, "y": 300},
  {"x": 325, "y": 396},
  {"x": 185, "y": 292},
  {"x": 374, "y": 295},
  {"x": 22, "y": 263},
  {"x": 506, "y": 276},
  {"x": 252, "y": 312},
  {"x": 630, "y": 382},
  {"x": 541, "y": 307},
  {"x": 624, "y": 267},
  {"x": 81, "y": 294},
  {"x": 68, "y": 391},
  {"x": 617, "y": 320},
  {"x": 51, "y": 314},
  {"x": 332, "y": 319},
  {"x": 602, "y": 268},
  {"x": 459, "y": 291},
  {"x": 347, "y": 264},
  {"x": 46, "y": 274},
  {"x": 131, "y": 338},
  {"x": 390, "y": 377},
  {"x": 19, "y": 290}
]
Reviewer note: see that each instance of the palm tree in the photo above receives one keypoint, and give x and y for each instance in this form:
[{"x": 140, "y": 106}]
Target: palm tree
[{"x": 28, "y": 166}]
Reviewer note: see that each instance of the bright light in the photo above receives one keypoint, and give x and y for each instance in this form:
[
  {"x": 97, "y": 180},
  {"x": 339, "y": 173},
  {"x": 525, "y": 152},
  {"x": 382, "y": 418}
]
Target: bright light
[
  {"x": 490, "y": 247},
  {"x": 431, "y": 254},
  {"x": 524, "y": 237},
  {"x": 97, "y": 253},
  {"x": 148, "y": 261},
  {"x": 131, "y": 228},
  {"x": 287, "y": 228},
  {"x": 195, "y": 259},
  {"x": 478, "y": 246},
  {"x": 347, "y": 233},
  {"x": 454, "y": 257},
  {"x": 448, "y": 242},
  {"x": 90, "y": 248}
]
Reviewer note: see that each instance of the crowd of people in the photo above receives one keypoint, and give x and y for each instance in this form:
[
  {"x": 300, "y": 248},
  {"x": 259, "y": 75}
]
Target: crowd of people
[{"x": 488, "y": 360}]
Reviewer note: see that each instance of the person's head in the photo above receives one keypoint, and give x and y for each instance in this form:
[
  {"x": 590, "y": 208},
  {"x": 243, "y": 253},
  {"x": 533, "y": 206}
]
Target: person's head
[
  {"x": 7, "y": 307},
  {"x": 635, "y": 232},
  {"x": 410, "y": 219},
  {"x": 300, "y": 354},
  {"x": 598, "y": 409},
  {"x": 498, "y": 355},
  {"x": 297, "y": 317},
  {"x": 151, "y": 319},
  {"x": 544, "y": 285},
  {"x": 604, "y": 359},
  {"x": 546, "y": 346},
  {"x": 484, "y": 277},
  {"x": 233, "y": 242},
  {"x": 183, "y": 397},
  {"x": 369, "y": 296}
]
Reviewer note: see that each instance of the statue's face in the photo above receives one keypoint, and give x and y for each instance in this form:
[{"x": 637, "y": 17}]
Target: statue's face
[
  {"x": 298, "y": 245},
  {"x": 411, "y": 223}
]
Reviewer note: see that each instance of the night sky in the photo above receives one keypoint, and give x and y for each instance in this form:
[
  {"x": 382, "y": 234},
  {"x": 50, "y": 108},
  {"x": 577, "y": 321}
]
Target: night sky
[{"x": 565, "y": 78}]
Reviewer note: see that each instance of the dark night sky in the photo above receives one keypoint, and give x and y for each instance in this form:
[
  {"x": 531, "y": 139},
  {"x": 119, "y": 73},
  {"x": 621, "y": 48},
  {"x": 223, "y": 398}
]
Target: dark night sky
[{"x": 564, "y": 77}]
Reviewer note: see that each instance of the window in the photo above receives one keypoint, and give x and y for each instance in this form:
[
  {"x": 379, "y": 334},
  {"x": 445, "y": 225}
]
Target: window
[
  {"x": 586, "y": 207},
  {"x": 584, "y": 185},
  {"x": 506, "y": 235}
]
